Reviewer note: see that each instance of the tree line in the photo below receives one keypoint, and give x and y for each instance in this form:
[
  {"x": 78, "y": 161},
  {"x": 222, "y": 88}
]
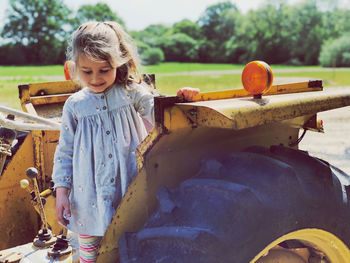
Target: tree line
[{"x": 307, "y": 33}]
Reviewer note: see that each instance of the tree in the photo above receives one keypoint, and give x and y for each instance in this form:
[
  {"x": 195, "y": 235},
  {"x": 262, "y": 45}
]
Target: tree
[
  {"x": 336, "y": 53},
  {"x": 12, "y": 54},
  {"x": 38, "y": 25},
  {"x": 336, "y": 23},
  {"x": 179, "y": 47},
  {"x": 98, "y": 12},
  {"x": 187, "y": 27},
  {"x": 309, "y": 32},
  {"x": 149, "y": 55},
  {"x": 152, "y": 56},
  {"x": 218, "y": 24},
  {"x": 152, "y": 34},
  {"x": 264, "y": 35},
  {"x": 212, "y": 19}
]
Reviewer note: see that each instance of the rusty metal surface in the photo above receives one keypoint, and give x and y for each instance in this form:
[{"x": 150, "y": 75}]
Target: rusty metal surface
[
  {"x": 46, "y": 99},
  {"x": 32, "y": 255},
  {"x": 172, "y": 152},
  {"x": 243, "y": 113},
  {"x": 282, "y": 88},
  {"x": 19, "y": 222},
  {"x": 18, "y": 219},
  {"x": 191, "y": 132},
  {"x": 168, "y": 158}
]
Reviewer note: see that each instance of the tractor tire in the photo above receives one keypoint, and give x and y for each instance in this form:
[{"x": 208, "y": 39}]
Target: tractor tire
[{"x": 233, "y": 208}]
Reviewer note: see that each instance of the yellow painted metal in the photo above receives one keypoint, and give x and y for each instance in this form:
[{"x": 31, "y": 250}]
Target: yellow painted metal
[
  {"x": 243, "y": 113},
  {"x": 193, "y": 132},
  {"x": 46, "y": 99},
  {"x": 129, "y": 216},
  {"x": 328, "y": 243},
  {"x": 45, "y": 147},
  {"x": 166, "y": 158},
  {"x": 15, "y": 205},
  {"x": 50, "y": 212},
  {"x": 274, "y": 90},
  {"x": 26, "y": 92},
  {"x": 174, "y": 149},
  {"x": 18, "y": 219},
  {"x": 39, "y": 156}
]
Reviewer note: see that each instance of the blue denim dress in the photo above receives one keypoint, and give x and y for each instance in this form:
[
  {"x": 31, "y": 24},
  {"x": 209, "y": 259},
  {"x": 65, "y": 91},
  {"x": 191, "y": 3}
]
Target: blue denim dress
[{"x": 95, "y": 157}]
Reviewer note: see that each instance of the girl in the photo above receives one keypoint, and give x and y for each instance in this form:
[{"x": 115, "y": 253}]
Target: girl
[{"x": 101, "y": 127}]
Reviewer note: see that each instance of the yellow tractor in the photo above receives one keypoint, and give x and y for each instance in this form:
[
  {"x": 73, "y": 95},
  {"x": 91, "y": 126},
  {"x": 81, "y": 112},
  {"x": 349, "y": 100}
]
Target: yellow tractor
[{"x": 220, "y": 179}]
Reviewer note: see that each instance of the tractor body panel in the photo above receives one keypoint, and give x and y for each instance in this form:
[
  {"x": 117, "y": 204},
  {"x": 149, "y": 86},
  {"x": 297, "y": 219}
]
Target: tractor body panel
[{"x": 186, "y": 133}]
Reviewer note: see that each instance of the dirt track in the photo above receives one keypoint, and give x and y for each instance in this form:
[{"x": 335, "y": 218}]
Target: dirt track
[{"x": 333, "y": 145}]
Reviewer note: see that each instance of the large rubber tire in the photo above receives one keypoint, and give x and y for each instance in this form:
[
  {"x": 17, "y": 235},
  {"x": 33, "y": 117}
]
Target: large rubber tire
[{"x": 235, "y": 207}]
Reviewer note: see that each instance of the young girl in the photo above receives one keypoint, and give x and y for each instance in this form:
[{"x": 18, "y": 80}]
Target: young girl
[{"x": 101, "y": 127}]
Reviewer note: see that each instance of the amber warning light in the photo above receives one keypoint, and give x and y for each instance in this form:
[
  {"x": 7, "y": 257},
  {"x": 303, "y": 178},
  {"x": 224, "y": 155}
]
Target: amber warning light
[
  {"x": 69, "y": 70},
  {"x": 257, "y": 78}
]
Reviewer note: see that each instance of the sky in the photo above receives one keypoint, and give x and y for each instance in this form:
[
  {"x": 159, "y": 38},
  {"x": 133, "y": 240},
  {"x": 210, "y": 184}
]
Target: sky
[{"x": 138, "y": 14}]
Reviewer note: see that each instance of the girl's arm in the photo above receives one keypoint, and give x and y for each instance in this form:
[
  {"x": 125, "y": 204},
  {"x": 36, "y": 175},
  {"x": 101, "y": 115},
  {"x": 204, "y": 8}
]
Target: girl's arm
[
  {"x": 187, "y": 93},
  {"x": 144, "y": 105},
  {"x": 62, "y": 205},
  {"x": 144, "y": 102},
  {"x": 63, "y": 163}
]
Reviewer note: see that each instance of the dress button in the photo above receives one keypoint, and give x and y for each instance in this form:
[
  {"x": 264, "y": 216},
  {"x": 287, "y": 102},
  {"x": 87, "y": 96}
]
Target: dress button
[
  {"x": 108, "y": 132},
  {"x": 112, "y": 180},
  {"x": 104, "y": 107},
  {"x": 102, "y": 97},
  {"x": 110, "y": 155}
]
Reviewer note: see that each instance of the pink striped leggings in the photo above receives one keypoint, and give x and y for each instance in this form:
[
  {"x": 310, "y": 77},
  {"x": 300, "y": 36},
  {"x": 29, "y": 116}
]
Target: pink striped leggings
[{"x": 88, "y": 248}]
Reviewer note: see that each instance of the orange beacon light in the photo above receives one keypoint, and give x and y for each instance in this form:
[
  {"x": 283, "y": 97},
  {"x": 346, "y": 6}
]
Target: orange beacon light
[
  {"x": 257, "y": 78},
  {"x": 69, "y": 70}
]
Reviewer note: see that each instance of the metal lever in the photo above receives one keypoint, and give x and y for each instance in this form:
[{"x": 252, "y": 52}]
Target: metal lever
[
  {"x": 61, "y": 247},
  {"x": 44, "y": 237}
]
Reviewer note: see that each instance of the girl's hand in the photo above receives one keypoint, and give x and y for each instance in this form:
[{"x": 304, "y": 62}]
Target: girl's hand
[
  {"x": 188, "y": 93},
  {"x": 62, "y": 205}
]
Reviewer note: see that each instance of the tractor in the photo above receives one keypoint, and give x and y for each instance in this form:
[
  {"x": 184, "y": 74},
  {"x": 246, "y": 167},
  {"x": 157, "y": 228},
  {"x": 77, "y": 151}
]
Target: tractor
[{"x": 220, "y": 179}]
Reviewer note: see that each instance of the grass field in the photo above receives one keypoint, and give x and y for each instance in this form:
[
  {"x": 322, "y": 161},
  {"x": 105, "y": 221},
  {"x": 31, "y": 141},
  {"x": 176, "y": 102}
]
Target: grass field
[
  {"x": 171, "y": 76},
  {"x": 170, "y": 67}
]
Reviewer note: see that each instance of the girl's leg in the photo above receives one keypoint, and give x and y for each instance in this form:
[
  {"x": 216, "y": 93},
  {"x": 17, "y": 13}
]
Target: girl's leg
[{"x": 88, "y": 248}]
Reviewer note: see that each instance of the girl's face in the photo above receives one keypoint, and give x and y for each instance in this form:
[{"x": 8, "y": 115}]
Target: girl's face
[{"x": 96, "y": 75}]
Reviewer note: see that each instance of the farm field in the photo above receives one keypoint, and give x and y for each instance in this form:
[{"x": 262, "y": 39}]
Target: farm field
[{"x": 171, "y": 76}]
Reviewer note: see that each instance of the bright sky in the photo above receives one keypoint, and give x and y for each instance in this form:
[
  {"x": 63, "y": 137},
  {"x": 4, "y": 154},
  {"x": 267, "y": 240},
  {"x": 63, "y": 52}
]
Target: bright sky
[{"x": 138, "y": 14}]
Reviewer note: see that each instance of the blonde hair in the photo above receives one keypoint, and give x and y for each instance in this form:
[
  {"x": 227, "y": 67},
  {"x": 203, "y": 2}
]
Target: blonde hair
[{"x": 106, "y": 41}]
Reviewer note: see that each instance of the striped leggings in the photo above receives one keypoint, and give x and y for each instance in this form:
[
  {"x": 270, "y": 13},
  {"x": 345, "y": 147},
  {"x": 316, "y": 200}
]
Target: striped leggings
[{"x": 88, "y": 248}]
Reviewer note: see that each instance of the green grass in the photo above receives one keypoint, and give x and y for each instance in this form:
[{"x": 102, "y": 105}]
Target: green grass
[
  {"x": 330, "y": 78},
  {"x": 211, "y": 82},
  {"x": 168, "y": 84},
  {"x": 167, "y": 79},
  {"x": 31, "y": 71},
  {"x": 162, "y": 68},
  {"x": 174, "y": 67},
  {"x": 9, "y": 90}
]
